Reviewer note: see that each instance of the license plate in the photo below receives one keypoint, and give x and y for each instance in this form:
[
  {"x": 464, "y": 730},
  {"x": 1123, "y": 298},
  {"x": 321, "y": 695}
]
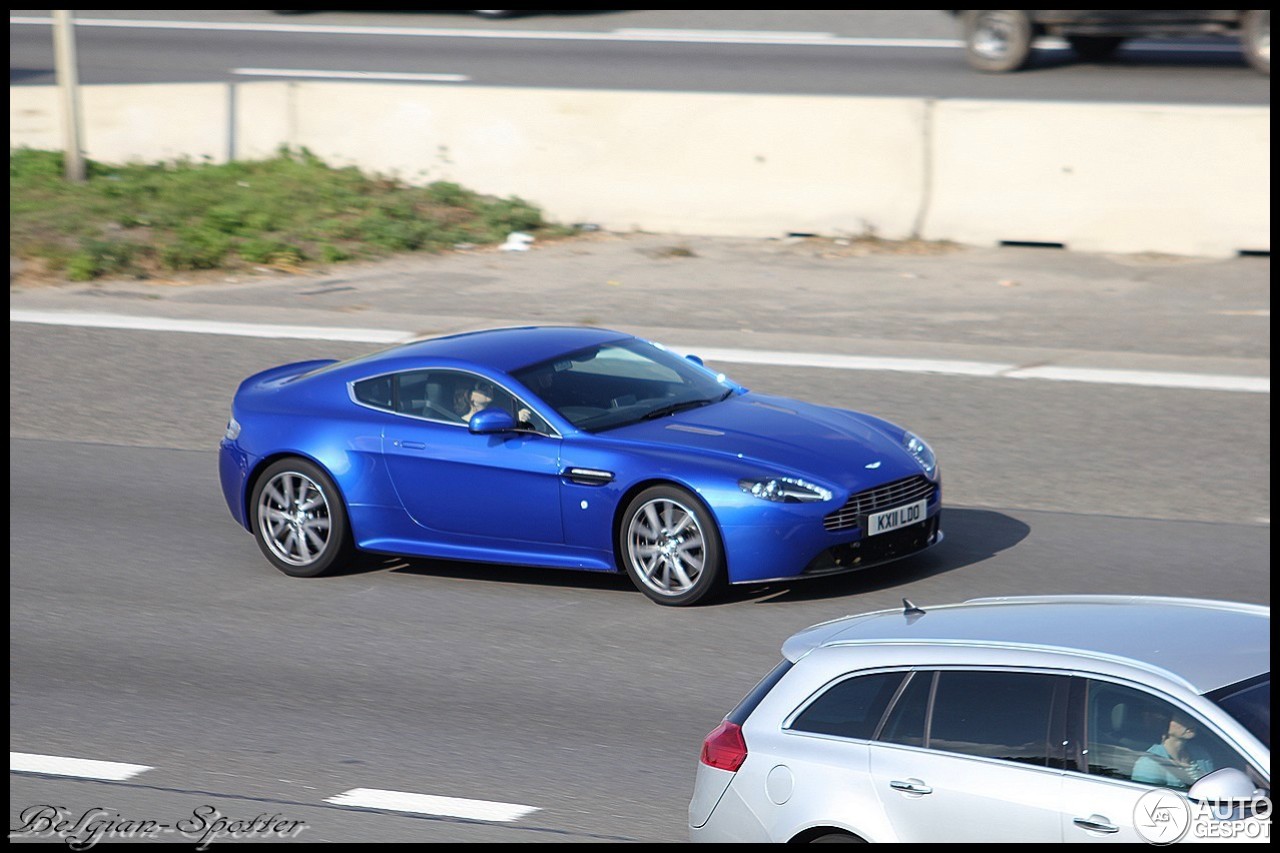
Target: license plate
[{"x": 892, "y": 519}]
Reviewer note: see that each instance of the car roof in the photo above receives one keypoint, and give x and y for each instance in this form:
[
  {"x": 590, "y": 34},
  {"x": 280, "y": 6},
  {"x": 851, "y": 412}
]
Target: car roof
[
  {"x": 1208, "y": 644},
  {"x": 501, "y": 349}
]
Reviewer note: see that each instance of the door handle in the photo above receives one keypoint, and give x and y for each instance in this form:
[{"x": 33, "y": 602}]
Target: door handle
[
  {"x": 910, "y": 786},
  {"x": 1096, "y": 823},
  {"x": 409, "y": 445}
]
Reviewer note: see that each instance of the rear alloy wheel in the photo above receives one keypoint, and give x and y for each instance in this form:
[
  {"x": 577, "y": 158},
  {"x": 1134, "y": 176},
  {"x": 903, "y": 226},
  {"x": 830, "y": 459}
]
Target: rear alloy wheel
[
  {"x": 298, "y": 519},
  {"x": 997, "y": 40},
  {"x": 1256, "y": 38},
  {"x": 670, "y": 546}
]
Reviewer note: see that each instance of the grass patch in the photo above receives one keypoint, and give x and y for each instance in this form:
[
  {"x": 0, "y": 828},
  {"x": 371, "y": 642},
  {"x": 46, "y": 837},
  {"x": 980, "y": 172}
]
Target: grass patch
[{"x": 145, "y": 219}]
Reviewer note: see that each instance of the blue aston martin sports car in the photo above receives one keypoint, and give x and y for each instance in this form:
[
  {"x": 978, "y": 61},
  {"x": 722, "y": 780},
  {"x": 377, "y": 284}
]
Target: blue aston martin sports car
[{"x": 573, "y": 448}]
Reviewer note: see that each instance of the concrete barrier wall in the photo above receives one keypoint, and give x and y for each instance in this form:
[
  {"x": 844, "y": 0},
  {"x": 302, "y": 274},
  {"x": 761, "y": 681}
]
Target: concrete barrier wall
[
  {"x": 129, "y": 123},
  {"x": 1102, "y": 177},
  {"x": 1095, "y": 177}
]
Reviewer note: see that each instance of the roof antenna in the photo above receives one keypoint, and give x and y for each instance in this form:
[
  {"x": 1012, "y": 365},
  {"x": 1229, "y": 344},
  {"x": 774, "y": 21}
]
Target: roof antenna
[{"x": 910, "y": 611}]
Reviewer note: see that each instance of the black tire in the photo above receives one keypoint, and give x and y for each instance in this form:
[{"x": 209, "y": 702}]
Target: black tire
[
  {"x": 836, "y": 838},
  {"x": 997, "y": 40},
  {"x": 1095, "y": 48},
  {"x": 1255, "y": 38},
  {"x": 299, "y": 520},
  {"x": 669, "y": 545}
]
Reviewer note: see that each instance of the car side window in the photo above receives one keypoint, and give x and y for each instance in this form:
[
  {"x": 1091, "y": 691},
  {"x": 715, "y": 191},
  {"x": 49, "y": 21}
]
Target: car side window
[
  {"x": 1134, "y": 735},
  {"x": 374, "y": 392},
  {"x": 450, "y": 396},
  {"x": 906, "y": 722},
  {"x": 1004, "y": 715},
  {"x": 431, "y": 394},
  {"x": 851, "y": 708}
]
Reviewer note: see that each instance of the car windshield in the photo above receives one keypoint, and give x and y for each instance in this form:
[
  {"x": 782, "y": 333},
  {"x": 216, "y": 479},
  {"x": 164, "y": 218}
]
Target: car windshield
[
  {"x": 1250, "y": 703},
  {"x": 612, "y": 385}
]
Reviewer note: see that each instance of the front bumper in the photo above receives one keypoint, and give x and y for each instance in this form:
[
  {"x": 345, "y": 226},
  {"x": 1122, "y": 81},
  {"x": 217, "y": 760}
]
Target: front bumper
[
  {"x": 781, "y": 544},
  {"x": 877, "y": 550},
  {"x": 233, "y": 471}
]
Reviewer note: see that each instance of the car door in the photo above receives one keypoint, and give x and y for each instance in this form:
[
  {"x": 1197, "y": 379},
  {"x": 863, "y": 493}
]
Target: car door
[
  {"x": 478, "y": 489},
  {"x": 973, "y": 755},
  {"x": 1121, "y": 728}
]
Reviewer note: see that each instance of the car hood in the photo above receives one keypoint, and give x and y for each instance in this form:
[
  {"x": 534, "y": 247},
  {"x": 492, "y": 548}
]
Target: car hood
[{"x": 786, "y": 437}]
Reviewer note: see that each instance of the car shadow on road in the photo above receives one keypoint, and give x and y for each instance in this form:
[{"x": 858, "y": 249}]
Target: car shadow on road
[
  {"x": 971, "y": 536},
  {"x": 491, "y": 572},
  {"x": 19, "y": 75},
  {"x": 1149, "y": 55}
]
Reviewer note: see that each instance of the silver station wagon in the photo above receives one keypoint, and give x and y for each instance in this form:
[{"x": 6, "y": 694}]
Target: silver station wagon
[{"x": 1056, "y": 718}]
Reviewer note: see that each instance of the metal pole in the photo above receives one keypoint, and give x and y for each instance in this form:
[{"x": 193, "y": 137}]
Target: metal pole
[{"x": 64, "y": 58}]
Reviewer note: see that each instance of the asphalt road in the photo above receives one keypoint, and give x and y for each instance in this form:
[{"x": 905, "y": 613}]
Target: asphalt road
[
  {"x": 911, "y": 53},
  {"x": 145, "y": 627}
]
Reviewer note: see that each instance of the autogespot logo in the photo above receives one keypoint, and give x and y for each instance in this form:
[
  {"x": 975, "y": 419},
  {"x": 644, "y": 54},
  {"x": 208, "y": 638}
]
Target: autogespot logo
[{"x": 1162, "y": 816}]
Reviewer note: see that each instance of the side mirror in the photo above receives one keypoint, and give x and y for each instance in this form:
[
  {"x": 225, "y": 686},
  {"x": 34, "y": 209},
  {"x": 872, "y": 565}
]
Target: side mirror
[
  {"x": 491, "y": 420},
  {"x": 1229, "y": 791}
]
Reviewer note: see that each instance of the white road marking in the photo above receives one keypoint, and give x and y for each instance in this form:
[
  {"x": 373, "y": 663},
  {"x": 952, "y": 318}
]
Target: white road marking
[
  {"x": 846, "y": 362},
  {"x": 400, "y": 801},
  {"x": 84, "y": 768},
  {"x": 1095, "y": 375},
  {"x": 685, "y": 31},
  {"x": 351, "y": 75},
  {"x": 207, "y": 327},
  {"x": 623, "y": 35},
  {"x": 772, "y": 358},
  {"x": 1148, "y": 378}
]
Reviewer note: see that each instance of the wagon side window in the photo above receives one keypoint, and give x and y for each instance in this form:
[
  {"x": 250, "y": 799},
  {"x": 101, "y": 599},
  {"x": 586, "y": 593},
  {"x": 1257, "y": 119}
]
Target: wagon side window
[
  {"x": 852, "y": 708},
  {"x": 1004, "y": 715},
  {"x": 1136, "y": 736}
]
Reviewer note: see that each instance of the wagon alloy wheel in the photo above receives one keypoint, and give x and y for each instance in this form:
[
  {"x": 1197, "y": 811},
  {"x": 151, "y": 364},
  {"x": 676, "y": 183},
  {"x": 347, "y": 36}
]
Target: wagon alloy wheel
[
  {"x": 298, "y": 519},
  {"x": 670, "y": 546}
]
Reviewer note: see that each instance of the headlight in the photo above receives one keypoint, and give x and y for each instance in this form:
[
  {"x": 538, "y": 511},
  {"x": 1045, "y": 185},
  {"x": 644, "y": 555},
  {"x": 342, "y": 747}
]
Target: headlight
[
  {"x": 233, "y": 429},
  {"x": 785, "y": 490},
  {"x": 923, "y": 453}
]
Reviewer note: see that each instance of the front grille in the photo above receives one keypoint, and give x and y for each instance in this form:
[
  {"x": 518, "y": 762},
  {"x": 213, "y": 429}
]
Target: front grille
[{"x": 901, "y": 492}]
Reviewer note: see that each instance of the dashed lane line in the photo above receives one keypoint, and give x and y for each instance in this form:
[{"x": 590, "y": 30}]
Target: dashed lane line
[
  {"x": 81, "y": 768},
  {"x": 430, "y": 804},
  {"x": 360, "y": 798}
]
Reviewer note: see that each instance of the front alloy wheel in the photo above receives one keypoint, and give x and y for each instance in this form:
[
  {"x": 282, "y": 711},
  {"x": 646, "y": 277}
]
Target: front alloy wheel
[
  {"x": 670, "y": 546},
  {"x": 298, "y": 519},
  {"x": 997, "y": 40}
]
